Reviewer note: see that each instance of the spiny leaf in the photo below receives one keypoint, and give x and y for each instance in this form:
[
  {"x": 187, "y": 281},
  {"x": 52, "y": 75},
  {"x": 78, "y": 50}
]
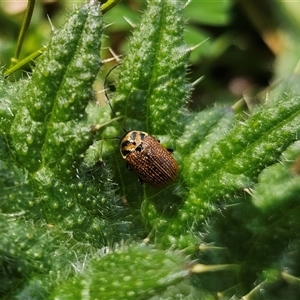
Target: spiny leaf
[
  {"x": 48, "y": 127},
  {"x": 279, "y": 184},
  {"x": 9, "y": 101},
  {"x": 133, "y": 273},
  {"x": 152, "y": 88},
  {"x": 233, "y": 163}
]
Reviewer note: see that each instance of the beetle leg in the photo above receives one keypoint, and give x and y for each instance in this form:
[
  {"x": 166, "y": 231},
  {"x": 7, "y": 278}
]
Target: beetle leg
[
  {"x": 141, "y": 181},
  {"x": 128, "y": 167},
  {"x": 170, "y": 150}
]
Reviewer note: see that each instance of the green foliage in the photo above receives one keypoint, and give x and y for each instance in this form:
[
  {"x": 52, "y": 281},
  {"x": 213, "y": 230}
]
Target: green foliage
[
  {"x": 158, "y": 75},
  {"x": 153, "y": 270},
  {"x": 71, "y": 222}
]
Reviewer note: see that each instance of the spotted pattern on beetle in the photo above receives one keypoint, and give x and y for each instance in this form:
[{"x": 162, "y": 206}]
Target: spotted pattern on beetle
[{"x": 153, "y": 163}]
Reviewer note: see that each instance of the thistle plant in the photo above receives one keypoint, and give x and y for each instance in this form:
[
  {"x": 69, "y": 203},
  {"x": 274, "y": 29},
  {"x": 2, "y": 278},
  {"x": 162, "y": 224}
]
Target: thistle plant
[{"x": 76, "y": 224}]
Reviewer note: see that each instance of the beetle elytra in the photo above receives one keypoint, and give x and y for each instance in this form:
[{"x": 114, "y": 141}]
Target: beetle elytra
[{"x": 153, "y": 163}]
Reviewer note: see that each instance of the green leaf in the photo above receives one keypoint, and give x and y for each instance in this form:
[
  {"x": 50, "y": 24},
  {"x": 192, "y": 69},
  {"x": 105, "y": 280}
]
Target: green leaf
[
  {"x": 50, "y": 201},
  {"x": 232, "y": 164},
  {"x": 47, "y": 129},
  {"x": 9, "y": 100},
  {"x": 278, "y": 185},
  {"x": 132, "y": 273},
  {"x": 152, "y": 88}
]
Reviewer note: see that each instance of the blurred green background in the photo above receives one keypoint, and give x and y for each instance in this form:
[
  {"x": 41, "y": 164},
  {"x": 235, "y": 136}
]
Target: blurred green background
[{"x": 244, "y": 45}]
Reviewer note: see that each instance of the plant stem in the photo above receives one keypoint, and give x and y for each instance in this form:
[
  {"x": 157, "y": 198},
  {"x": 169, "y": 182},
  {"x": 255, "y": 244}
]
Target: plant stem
[
  {"x": 109, "y": 5},
  {"x": 24, "y": 28},
  {"x": 24, "y": 61}
]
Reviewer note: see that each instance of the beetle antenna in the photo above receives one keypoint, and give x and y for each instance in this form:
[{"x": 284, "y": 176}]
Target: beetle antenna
[{"x": 106, "y": 95}]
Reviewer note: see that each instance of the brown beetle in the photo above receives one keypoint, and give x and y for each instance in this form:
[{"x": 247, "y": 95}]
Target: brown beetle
[{"x": 153, "y": 163}]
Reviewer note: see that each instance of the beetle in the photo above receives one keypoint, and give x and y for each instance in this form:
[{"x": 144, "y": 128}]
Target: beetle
[{"x": 153, "y": 163}]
